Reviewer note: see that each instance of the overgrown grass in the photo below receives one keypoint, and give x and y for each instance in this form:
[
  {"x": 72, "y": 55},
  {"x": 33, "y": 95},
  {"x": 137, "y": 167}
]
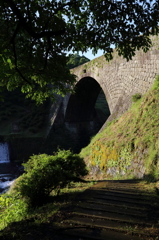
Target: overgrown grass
[{"x": 135, "y": 135}]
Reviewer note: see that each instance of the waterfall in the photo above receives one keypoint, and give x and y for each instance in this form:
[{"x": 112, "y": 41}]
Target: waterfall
[
  {"x": 9, "y": 171},
  {"x": 4, "y": 153},
  {"x": 6, "y": 178}
]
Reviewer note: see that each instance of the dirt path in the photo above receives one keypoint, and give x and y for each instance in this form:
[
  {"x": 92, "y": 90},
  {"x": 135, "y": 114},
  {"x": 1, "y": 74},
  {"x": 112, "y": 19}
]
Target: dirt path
[{"x": 111, "y": 210}]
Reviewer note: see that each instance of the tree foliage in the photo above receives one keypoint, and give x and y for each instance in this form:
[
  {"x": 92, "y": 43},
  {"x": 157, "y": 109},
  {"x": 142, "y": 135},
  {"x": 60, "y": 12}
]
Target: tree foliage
[
  {"x": 36, "y": 35},
  {"x": 76, "y": 60}
]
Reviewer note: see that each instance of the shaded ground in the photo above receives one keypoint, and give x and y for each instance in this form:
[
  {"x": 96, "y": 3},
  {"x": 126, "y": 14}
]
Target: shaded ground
[{"x": 112, "y": 210}]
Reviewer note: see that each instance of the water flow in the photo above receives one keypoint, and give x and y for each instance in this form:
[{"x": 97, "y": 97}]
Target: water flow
[
  {"x": 5, "y": 179},
  {"x": 4, "y": 153}
]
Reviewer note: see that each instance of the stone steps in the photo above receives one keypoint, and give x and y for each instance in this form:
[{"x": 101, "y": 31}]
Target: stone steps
[
  {"x": 140, "y": 213},
  {"x": 108, "y": 220},
  {"x": 122, "y": 202},
  {"x": 122, "y": 195},
  {"x": 126, "y": 194},
  {"x": 85, "y": 233},
  {"x": 110, "y": 213}
]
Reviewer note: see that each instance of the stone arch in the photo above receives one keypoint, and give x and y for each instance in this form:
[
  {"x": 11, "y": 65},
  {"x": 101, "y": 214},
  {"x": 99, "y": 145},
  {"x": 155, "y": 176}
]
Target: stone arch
[
  {"x": 80, "y": 106},
  {"x": 81, "y": 117},
  {"x": 106, "y": 76}
]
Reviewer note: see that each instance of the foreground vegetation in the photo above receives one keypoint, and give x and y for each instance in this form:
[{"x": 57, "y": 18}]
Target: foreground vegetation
[{"x": 45, "y": 178}]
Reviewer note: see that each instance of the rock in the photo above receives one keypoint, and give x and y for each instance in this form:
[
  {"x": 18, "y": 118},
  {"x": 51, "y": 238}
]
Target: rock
[
  {"x": 140, "y": 175},
  {"x": 95, "y": 170},
  {"x": 142, "y": 169},
  {"x": 3, "y": 180},
  {"x": 122, "y": 173},
  {"x": 128, "y": 167},
  {"x": 112, "y": 171}
]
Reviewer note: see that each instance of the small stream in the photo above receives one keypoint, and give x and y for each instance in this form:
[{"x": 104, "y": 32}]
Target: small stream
[{"x": 8, "y": 171}]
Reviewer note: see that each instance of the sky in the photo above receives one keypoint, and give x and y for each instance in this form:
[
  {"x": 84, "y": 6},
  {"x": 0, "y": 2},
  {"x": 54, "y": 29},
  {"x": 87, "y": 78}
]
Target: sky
[{"x": 90, "y": 55}]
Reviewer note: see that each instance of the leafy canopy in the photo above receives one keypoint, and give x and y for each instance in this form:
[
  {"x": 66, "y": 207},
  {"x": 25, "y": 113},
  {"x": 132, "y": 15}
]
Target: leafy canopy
[{"x": 36, "y": 35}]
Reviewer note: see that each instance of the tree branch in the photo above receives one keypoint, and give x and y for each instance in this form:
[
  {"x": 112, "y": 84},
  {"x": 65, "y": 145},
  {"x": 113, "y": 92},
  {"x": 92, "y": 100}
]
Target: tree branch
[
  {"x": 16, "y": 66},
  {"x": 47, "y": 52},
  {"x": 15, "y": 33},
  {"x": 29, "y": 30},
  {"x": 29, "y": 17}
]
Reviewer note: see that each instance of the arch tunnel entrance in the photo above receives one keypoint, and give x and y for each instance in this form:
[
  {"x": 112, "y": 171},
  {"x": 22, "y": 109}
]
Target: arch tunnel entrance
[{"x": 86, "y": 112}]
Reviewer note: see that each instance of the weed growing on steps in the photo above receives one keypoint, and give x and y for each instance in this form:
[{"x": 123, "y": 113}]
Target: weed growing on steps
[{"x": 131, "y": 139}]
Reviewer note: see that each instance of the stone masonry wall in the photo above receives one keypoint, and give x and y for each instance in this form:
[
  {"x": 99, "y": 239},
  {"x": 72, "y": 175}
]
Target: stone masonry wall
[{"x": 120, "y": 79}]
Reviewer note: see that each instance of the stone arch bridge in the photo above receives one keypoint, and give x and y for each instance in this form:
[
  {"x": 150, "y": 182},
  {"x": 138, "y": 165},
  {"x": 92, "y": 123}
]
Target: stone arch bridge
[{"x": 118, "y": 79}]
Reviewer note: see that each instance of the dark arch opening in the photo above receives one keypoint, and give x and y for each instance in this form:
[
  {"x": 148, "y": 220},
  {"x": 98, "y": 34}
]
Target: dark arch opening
[
  {"x": 102, "y": 109},
  {"x": 86, "y": 112},
  {"x": 81, "y": 104}
]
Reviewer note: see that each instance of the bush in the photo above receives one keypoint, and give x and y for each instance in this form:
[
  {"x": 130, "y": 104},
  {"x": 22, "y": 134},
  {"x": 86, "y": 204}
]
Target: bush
[
  {"x": 136, "y": 97},
  {"x": 44, "y": 173}
]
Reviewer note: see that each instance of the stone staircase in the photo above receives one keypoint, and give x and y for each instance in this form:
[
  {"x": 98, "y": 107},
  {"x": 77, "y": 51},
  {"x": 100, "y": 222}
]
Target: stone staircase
[{"x": 111, "y": 210}]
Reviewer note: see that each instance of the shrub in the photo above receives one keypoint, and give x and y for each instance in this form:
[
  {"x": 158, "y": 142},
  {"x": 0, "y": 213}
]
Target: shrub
[
  {"x": 45, "y": 173},
  {"x": 136, "y": 97}
]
